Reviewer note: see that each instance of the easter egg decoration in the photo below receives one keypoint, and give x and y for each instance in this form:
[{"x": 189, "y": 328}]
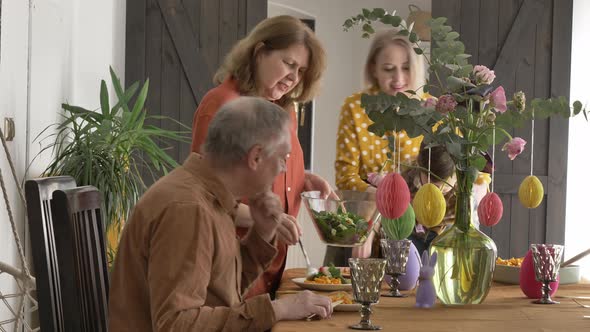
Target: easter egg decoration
[
  {"x": 490, "y": 209},
  {"x": 393, "y": 196},
  {"x": 400, "y": 228},
  {"x": 409, "y": 280},
  {"x": 530, "y": 192},
  {"x": 429, "y": 205}
]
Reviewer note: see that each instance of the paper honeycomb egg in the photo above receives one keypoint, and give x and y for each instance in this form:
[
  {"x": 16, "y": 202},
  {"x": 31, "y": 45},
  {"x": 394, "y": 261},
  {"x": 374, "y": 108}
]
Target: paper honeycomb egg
[
  {"x": 400, "y": 228},
  {"x": 530, "y": 192},
  {"x": 393, "y": 196},
  {"x": 490, "y": 209},
  {"x": 430, "y": 205}
]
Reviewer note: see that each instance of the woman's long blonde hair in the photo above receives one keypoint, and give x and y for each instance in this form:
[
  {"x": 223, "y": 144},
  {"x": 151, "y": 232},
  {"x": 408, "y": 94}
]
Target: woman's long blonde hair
[
  {"x": 274, "y": 33},
  {"x": 380, "y": 41}
]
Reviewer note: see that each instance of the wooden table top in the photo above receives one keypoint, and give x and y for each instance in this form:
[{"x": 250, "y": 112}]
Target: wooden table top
[{"x": 505, "y": 309}]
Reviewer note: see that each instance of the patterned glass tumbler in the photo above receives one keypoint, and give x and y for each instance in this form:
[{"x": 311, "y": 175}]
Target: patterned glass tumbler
[
  {"x": 367, "y": 275},
  {"x": 547, "y": 260},
  {"x": 396, "y": 253}
]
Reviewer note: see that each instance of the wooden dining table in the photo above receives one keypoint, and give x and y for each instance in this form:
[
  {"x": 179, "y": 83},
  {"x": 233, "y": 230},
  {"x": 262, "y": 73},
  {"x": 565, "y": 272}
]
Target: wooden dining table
[{"x": 505, "y": 309}]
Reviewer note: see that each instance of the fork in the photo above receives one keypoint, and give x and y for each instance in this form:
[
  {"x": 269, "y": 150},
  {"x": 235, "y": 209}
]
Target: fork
[
  {"x": 581, "y": 305},
  {"x": 335, "y": 303},
  {"x": 310, "y": 269}
]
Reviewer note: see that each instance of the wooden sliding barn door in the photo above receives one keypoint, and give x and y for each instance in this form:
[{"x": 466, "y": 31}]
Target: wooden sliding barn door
[
  {"x": 178, "y": 45},
  {"x": 527, "y": 43}
]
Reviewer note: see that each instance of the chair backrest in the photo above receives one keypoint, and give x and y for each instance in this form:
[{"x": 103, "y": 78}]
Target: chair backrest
[
  {"x": 82, "y": 258},
  {"x": 38, "y": 194}
]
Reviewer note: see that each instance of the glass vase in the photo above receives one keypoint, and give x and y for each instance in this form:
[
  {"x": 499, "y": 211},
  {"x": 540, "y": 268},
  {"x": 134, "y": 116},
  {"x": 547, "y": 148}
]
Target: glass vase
[{"x": 466, "y": 256}]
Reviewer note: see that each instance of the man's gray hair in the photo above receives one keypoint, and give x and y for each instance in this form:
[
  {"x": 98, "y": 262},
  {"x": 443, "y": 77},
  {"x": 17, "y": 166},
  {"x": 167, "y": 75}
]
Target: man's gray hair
[{"x": 243, "y": 123}]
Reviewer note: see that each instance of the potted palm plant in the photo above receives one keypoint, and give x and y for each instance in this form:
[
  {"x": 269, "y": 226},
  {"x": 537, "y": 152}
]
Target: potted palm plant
[{"x": 111, "y": 149}]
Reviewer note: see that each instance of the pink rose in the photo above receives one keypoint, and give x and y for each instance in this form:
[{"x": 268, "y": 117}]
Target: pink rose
[
  {"x": 483, "y": 75},
  {"x": 446, "y": 104},
  {"x": 429, "y": 102},
  {"x": 515, "y": 147},
  {"x": 498, "y": 100}
]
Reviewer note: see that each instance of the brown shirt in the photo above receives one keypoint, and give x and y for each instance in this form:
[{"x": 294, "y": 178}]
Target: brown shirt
[{"x": 180, "y": 265}]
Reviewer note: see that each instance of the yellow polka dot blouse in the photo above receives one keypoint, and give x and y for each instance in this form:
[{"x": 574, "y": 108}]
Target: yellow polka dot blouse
[{"x": 360, "y": 152}]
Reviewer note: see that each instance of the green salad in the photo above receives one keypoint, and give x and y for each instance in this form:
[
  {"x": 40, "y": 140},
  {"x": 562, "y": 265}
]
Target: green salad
[
  {"x": 330, "y": 271},
  {"x": 341, "y": 227}
]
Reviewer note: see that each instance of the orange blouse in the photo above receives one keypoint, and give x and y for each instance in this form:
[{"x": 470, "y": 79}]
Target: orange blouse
[{"x": 288, "y": 186}]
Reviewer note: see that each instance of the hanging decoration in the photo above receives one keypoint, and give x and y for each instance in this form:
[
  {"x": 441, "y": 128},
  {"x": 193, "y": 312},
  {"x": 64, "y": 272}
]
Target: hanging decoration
[
  {"x": 490, "y": 209},
  {"x": 400, "y": 228},
  {"x": 531, "y": 192}
]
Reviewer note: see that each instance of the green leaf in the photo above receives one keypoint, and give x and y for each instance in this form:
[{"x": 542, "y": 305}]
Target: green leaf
[
  {"x": 418, "y": 50},
  {"x": 403, "y": 32},
  {"x": 368, "y": 28},
  {"x": 413, "y": 37},
  {"x": 478, "y": 161},
  {"x": 378, "y": 12},
  {"x": 104, "y": 98}
]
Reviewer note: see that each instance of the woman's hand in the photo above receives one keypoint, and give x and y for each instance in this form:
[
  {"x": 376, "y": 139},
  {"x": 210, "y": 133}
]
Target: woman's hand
[{"x": 316, "y": 182}]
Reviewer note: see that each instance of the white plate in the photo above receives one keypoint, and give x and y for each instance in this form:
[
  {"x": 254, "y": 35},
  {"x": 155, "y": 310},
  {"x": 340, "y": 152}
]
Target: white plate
[
  {"x": 320, "y": 287},
  {"x": 348, "y": 307}
]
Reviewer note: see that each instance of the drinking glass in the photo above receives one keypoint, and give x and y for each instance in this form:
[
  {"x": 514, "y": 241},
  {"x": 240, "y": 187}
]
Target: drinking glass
[
  {"x": 367, "y": 275},
  {"x": 396, "y": 253},
  {"x": 546, "y": 259}
]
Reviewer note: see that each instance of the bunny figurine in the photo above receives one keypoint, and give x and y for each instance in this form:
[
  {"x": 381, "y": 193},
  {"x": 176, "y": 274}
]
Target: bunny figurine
[{"x": 426, "y": 295}]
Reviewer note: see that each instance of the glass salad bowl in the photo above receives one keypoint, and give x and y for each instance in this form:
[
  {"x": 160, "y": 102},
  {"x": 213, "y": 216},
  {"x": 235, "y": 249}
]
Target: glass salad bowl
[{"x": 345, "y": 222}]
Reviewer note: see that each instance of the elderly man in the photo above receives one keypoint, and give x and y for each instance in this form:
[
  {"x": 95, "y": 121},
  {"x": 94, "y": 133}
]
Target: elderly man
[{"x": 180, "y": 265}]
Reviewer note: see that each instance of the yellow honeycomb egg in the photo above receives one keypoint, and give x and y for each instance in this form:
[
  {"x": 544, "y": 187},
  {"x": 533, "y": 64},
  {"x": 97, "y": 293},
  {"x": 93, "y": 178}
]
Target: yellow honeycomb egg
[
  {"x": 429, "y": 205},
  {"x": 530, "y": 192}
]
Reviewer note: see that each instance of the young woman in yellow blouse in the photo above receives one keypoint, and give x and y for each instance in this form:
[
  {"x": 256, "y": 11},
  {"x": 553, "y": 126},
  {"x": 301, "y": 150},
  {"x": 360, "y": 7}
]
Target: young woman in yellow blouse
[{"x": 391, "y": 67}]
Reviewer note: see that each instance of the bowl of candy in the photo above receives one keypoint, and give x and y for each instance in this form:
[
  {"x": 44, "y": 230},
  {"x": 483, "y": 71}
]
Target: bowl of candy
[{"x": 343, "y": 222}]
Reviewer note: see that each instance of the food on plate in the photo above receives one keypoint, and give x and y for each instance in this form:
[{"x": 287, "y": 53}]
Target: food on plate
[
  {"x": 341, "y": 227},
  {"x": 344, "y": 297},
  {"x": 328, "y": 275},
  {"x": 510, "y": 262}
]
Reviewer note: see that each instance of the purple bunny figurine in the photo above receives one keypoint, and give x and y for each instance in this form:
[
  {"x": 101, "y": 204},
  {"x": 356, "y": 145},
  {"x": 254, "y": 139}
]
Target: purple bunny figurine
[{"x": 426, "y": 295}]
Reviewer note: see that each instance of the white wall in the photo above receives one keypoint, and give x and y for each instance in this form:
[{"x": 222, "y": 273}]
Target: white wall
[
  {"x": 577, "y": 225},
  {"x": 346, "y": 53},
  {"x": 13, "y": 99},
  {"x": 57, "y": 51}
]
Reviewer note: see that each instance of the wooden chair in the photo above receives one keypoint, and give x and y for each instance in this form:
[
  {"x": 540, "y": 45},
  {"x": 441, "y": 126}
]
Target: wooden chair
[
  {"x": 82, "y": 258},
  {"x": 69, "y": 254},
  {"x": 38, "y": 194}
]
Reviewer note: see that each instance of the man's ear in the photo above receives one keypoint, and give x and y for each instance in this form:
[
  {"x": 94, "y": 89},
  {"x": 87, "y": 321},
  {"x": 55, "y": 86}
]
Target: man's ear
[{"x": 254, "y": 157}]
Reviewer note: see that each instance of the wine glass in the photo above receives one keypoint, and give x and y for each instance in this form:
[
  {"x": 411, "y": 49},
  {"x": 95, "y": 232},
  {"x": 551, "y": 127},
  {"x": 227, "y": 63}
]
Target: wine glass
[
  {"x": 396, "y": 252},
  {"x": 367, "y": 275},
  {"x": 546, "y": 259}
]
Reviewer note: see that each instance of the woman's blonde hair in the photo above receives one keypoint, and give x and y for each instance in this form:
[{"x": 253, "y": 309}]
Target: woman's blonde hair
[
  {"x": 274, "y": 33},
  {"x": 380, "y": 41}
]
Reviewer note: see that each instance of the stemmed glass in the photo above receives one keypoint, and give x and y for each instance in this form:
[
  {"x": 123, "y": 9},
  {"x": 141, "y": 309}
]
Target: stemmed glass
[
  {"x": 396, "y": 252},
  {"x": 546, "y": 259},
  {"x": 367, "y": 275}
]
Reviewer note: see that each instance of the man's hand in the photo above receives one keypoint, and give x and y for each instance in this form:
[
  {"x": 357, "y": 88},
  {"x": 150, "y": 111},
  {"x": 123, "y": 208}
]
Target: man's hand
[
  {"x": 265, "y": 209},
  {"x": 316, "y": 182},
  {"x": 288, "y": 229},
  {"x": 301, "y": 306}
]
